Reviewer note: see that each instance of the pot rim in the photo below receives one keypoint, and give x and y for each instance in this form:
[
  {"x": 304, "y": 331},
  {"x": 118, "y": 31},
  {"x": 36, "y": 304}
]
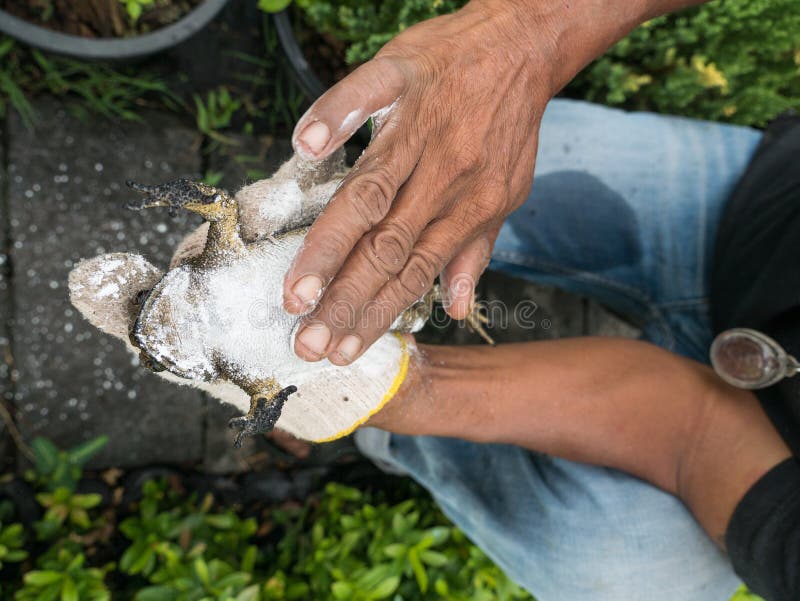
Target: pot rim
[{"x": 111, "y": 48}]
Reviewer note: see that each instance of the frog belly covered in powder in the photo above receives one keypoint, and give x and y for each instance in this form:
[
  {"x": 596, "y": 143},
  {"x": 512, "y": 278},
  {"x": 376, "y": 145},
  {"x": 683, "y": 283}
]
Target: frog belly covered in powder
[{"x": 215, "y": 320}]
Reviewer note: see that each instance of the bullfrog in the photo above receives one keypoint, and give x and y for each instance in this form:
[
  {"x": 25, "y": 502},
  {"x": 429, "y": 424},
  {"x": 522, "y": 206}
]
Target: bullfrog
[{"x": 215, "y": 319}]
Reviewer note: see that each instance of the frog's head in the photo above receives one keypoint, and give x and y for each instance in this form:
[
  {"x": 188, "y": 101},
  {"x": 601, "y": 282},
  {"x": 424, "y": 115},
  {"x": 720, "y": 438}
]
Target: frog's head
[{"x": 213, "y": 204}]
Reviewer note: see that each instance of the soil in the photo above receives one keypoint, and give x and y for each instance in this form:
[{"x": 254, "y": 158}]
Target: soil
[{"x": 97, "y": 18}]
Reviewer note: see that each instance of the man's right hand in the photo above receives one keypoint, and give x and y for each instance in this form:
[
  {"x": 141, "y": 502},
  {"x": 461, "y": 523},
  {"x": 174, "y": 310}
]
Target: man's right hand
[{"x": 458, "y": 101}]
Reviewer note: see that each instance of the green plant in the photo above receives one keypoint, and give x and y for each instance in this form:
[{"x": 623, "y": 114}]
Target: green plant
[
  {"x": 200, "y": 580},
  {"x": 273, "y": 6},
  {"x": 56, "y": 469},
  {"x": 340, "y": 544},
  {"x": 101, "y": 89},
  {"x": 166, "y": 530},
  {"x": 66, "y": 578},
  {"x": 742, "y": 594},
  {"x": 215, "y": 112},
  {"x": 365, "y": 25},
  {"x": 12, "y": 540},
  {"x": 135, "y": 8},
  {"x": 11, "y": 93},
  {"x": 735, "y": 61},
  {"x": 65, "y": 508},
  {"x": 349, "y": 547},
  {"x": 213, "y": 178},
  {"x": 260, "y": 94},
  {"x": 732, "y": 60}
]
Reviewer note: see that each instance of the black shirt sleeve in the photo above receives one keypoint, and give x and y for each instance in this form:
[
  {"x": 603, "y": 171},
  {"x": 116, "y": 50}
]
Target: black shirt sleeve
[
  {"x": 763, "y": 536},
  {"x": 755, "y": 283}
]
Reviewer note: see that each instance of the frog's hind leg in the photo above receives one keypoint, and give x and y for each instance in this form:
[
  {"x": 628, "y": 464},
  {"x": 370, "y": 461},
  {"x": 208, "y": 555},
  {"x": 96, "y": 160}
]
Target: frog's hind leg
[
  {"x": 266, "y": 404},
  {"x": 476, "y": 320}
]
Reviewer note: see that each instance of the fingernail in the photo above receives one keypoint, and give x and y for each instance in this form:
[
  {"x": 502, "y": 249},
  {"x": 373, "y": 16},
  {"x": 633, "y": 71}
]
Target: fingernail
[
  {"x": 461, "y": 285},
  {"x": 313, "y": 139},
  {"x": 459, "y": 291},
  {"x": 315, "y": 338},
  {"x": 308, "y": 289},
  {"x": 349, "y": 347}
]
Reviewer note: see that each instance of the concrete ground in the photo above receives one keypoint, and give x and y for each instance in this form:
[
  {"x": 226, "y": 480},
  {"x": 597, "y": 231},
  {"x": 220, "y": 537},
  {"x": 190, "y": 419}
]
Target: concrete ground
[{"x": 61, "y": 191}]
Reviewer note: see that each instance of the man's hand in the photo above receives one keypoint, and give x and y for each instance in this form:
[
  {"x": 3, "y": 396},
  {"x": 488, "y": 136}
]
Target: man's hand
[{"x": 457, "y": 102}]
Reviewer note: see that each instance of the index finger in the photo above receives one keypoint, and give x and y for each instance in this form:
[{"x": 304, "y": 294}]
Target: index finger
[{"x": 360, "y": 203}]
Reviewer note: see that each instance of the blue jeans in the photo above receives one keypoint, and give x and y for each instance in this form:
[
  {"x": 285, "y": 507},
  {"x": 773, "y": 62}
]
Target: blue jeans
[{"x": 624, "y": 210}]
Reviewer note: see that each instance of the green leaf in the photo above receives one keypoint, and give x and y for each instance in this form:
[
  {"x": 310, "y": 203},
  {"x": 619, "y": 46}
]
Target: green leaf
[
  {"x": 201, "y": 569},
  {"x": 87, "y": 501},
  {"x": 222, "y": 521},
  {"x": 439, "y": 534},
  {"x": 68, "y": 590},
  {"x": 45, "y": 455},
  {"x": 14, "y": 556},
  {"x": 273, "y": 6},
  {"x": 342, "y": 591},
  {"x": 251, "y": 593},
  {"x": 212, "y": 178},
  {"x": 85, "y": 451},
  {"x": 6, "y": 45},
  {"x": 419, "y": 570},
  {"x": 395, "y": 550},
  {"x": 42, "y": 577},
  {"x": 134, "y": 10},
  {"x": 249, "y": 557},
  {"x": 156, "y": 593},
  {"x": 385, "y": 588},
  {"x": 433, "y": 558}
]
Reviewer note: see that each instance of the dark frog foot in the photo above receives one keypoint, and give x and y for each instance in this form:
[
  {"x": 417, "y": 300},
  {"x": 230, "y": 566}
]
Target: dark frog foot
[{"x": 263, "y": 414}]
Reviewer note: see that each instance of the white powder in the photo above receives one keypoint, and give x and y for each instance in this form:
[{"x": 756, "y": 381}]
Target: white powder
[
  {"x": 111, "y": 290},
  {"x": 235, "y": 314},
  {"x": 107, "y": 268},
  {"x": 353, "y": 121},
  {"x": 280, "y": 202},
  {"x": 380, "y": 116}
]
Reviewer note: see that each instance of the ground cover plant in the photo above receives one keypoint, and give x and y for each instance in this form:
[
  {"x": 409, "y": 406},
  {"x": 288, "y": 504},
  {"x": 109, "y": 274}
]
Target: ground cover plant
[
  {"x": 161, "y": 541},
  {"x": 170, "y": 544},
  {"x": 732, "y": 60}
]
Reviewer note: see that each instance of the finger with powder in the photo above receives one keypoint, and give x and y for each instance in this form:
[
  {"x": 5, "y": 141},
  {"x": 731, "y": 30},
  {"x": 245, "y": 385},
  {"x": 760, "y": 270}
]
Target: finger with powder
[{"x": 361, "y": 202}]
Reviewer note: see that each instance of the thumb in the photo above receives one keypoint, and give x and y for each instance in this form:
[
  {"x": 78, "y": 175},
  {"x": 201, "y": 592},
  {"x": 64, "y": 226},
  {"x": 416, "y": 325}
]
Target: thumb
[
  {"x": 338, "y": 113},
  {"x": 462, "y": 273}
]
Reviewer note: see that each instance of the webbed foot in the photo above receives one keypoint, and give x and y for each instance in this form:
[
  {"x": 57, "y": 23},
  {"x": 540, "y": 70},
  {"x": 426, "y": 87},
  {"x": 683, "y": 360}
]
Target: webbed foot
[
  {"x": 476, "y": 322},
  {"x": 263, "y": 414}
]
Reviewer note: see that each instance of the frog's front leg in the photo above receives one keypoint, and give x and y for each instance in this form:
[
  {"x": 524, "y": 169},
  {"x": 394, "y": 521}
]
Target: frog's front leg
[{"x": 266, "y": 405}]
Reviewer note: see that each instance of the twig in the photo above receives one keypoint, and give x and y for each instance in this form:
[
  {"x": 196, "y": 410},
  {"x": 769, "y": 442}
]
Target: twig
[{"x": 5, "y": 414}]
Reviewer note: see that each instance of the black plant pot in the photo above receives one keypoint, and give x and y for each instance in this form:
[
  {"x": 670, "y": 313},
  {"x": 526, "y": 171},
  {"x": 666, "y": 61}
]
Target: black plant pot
[{"x": 111, "y": 49}]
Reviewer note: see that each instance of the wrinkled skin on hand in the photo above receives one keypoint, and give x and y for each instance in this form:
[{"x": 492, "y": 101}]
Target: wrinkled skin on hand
[
  {"x": 457, "y": 102},
  {"x": 451, "y": 157}
]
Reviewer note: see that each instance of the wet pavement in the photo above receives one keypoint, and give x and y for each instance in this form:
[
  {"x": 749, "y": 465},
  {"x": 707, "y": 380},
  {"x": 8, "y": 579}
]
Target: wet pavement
[{"x": 61, "y": 195}]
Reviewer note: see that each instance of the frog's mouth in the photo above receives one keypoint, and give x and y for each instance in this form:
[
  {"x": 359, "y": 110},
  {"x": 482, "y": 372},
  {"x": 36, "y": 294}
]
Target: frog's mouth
[{"x": 178, "y": 194}]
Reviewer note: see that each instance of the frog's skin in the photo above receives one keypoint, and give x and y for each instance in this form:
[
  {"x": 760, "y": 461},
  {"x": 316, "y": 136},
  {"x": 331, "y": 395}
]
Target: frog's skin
[{"x": 215, "y": 318}]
